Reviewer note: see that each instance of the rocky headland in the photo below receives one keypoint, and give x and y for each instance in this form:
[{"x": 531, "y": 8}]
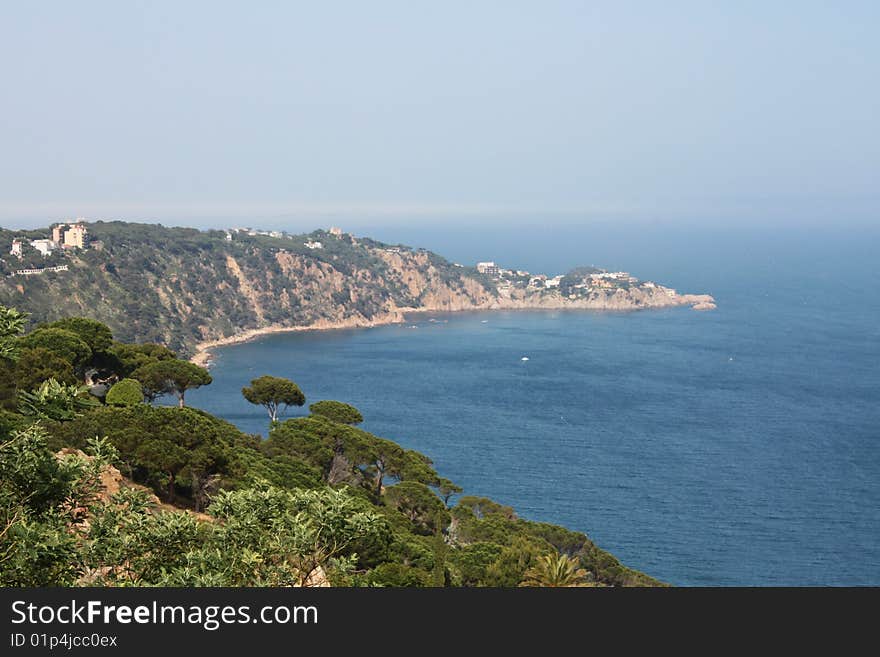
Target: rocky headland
[{"x": 194, "y": 290}]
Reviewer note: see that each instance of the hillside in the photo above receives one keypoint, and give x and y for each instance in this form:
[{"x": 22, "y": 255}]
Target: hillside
[
  {"x": 191, "y": 500},
  {"x": 182, "y": 287},
  {"x": 106, "y": 488}
]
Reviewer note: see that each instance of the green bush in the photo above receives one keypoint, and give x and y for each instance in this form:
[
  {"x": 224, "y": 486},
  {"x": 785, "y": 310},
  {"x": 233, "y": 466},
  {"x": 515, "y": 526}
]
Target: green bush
[
  {"x": 126, "y": 392},
  {"x": 395, "y": 574}
]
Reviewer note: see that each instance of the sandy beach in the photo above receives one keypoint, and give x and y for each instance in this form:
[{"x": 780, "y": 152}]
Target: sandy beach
[{"x": 203, "y": 349}]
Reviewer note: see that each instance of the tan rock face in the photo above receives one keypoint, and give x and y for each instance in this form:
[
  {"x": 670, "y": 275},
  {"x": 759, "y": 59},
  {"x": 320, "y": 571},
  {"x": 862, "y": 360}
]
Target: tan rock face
[
  {"x": 112, "y": 480},
  {"x": 699, "y": 301},
  {"x": 245, "y": 287},
  {"x": 313, "y": 294},
  {"x": 428, "y": 288}
]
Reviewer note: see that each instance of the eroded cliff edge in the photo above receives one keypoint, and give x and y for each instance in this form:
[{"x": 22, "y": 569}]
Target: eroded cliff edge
[{"x": 190, "y": 289}]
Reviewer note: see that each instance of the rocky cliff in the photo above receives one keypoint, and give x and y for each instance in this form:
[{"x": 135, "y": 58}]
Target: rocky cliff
[{"x": 183, "y": 287}]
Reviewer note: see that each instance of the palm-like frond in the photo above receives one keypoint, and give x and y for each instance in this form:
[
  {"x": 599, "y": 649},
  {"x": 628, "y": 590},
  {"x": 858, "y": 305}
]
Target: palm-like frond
[{"x": 555, "y": 570}]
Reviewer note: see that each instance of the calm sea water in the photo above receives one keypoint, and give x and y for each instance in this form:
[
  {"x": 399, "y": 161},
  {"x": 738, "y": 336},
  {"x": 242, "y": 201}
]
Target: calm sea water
[{"x": 735, "y": 447}]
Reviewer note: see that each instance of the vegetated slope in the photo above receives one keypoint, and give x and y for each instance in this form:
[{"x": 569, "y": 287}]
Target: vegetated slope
[{"x": 179, "y": 286}]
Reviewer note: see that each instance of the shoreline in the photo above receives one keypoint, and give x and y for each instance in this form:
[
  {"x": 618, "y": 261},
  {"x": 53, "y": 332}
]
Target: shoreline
[{"x": 203, "y": 349}]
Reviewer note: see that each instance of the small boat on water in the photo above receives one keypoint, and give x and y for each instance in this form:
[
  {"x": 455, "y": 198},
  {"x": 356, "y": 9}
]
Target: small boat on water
[{"x": 524, "y": 358}]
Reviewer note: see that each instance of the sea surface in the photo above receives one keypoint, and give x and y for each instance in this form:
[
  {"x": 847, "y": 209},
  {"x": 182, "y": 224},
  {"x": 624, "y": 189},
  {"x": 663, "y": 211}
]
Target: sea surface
[{"x": 734, "y": 447}]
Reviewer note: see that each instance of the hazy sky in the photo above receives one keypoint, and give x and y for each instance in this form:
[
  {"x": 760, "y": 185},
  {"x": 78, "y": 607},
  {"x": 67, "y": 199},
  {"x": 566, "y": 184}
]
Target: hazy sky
[{"x": 409, "y": 111}]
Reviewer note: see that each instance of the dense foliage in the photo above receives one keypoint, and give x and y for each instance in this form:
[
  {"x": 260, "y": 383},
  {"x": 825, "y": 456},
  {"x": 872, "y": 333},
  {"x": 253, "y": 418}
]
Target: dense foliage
[
  {"x": 179, "y": 286},
  {"x": 121, "y": 492},
  {"x": 337, "y": 411},
  {"x": 170, "y": 376},
  {"x": 127, "y": 392}
]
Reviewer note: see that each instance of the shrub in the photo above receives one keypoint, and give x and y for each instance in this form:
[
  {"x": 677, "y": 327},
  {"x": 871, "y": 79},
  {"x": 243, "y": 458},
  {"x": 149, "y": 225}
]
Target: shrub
[{"x": 126, "y": 392}]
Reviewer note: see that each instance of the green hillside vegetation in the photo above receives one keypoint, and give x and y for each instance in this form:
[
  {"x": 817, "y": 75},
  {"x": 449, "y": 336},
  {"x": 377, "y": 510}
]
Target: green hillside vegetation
[
  {"x": 181, "y": 286},
  {"x": 202, "y": 504}
]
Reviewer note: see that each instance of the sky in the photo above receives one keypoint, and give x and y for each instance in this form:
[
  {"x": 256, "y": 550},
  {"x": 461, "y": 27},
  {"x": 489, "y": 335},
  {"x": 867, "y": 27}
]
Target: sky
[{"x": 302, "y": 114}]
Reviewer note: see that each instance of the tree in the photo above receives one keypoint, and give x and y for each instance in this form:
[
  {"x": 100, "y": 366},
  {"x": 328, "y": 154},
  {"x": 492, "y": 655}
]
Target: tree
[
  {"x": 7, "y": 384},
  {"x": 300, "y": 440},
  {"x": 446, "y": 489},
  {"x": 555, "y": 570},
  {"x": 337, "y": 411},
  {"x": 416, "y": 501},
  {"x": 473, "y": 561},
  {"x": 11, "y": 326},
  {"x": 275, "y": 393},
  {"x": 441, "y": 549},
  {"x": 387, "y": 458},
  {"x": 167, "y": 376},
  {"x": 66, "y": 344},
  {"x": 399, "y": 575},
  {"x": 42, "y": 498},
  {"x": 127, "y": 392},
  {"x": 102, "y": 362},
  {"x": 514, "y": 560},
  {"x": 133, "y": 356},
  {"x": 171, "y": 449},
  {"x": 95, "y": 334},
  {"x": 162, "y": 457},
  {"x": 418, "y": 467},
  {"x": 274, "y": 537},
  {"x": 37, "y": 365},
  {"x": 56, "y": 401}
]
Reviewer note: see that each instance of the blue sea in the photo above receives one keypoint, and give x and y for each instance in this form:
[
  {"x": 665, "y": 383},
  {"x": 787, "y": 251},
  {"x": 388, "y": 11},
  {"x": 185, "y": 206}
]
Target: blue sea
[{"x": 734, "y": 447}]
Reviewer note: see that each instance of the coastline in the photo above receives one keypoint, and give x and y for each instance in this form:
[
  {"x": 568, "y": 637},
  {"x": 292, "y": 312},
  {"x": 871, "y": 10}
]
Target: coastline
[
  {"x": 203, "y": 354},
  {"x": 203, "y": 349}
]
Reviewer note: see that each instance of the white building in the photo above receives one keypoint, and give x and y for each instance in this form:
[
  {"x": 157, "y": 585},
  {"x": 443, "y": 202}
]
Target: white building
[
  {"x": 553, "y": 282},
  {"x": 311, "y": 244},
  {"x": 16, "y": 248},
  {"x": 36, "y": 272},
  {"x": 489, "y": 268},
  {"x": 44, "y": 246},
  {"x": 335, "y": 230}
]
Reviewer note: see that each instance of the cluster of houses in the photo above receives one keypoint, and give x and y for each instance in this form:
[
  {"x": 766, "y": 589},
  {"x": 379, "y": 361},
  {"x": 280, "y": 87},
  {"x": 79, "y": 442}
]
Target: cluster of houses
[
  {"x": 598, "y": 280},
  {"x": 73, "y": 235},
  {"x": 493, "y": 270},
  {"x": 280, "y": 234},
  {"x": 541, "y": 280},
  {"x": 65, "y": 236}
]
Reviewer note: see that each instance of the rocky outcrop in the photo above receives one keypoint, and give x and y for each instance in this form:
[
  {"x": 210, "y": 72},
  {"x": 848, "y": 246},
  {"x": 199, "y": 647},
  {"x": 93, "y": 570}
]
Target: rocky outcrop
[
  {"x": 700, "y": 301},
  {"x": 436, "y": 295}
]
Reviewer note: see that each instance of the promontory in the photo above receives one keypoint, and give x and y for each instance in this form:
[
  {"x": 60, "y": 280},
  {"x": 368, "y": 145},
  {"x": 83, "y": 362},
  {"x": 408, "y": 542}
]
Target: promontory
[{"x": 188, "y": 289}]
